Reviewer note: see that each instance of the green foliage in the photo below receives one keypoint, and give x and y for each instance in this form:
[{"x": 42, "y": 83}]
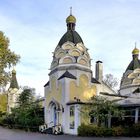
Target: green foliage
[
  {"x": 118, "y": 131},
  {"x": 28, "y": 118},
  {"x": 101, "y": 109},
  {"x": 3, "y": 102},
  {"x": 2, "y": 115},
  {"x": 7, "y": 59},
  {"x": 134, "y": 130},
  {"x": 28, "y": 115},
  {"x": 92, "y": 130},
  {"x": 25, "y": 97}
]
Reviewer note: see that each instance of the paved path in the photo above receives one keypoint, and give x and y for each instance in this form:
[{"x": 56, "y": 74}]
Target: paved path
[{"x": 11, "y": 134}]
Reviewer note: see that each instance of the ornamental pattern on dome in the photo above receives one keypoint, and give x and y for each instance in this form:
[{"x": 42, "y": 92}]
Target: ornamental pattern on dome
[
  {"x": 71, "y": 54},
  {"x": 131, "y": 78}
]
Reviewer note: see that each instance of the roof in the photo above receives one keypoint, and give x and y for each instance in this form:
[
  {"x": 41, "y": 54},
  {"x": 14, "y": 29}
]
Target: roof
[
  {"x": 71, "y": 36},
  {"x": 99, "y": 61},
  {"x": 134, "y": 64},
  {"x": 137, "y": 90},
  {"x": 47, "y": 84},
  {"x": 93, "y": 80},
  {"x": 74, "y": 102},
  {"x": 67, "y": 75},
  {"x": 115, "y": 95},
  {"x": 129, "y": 105}
]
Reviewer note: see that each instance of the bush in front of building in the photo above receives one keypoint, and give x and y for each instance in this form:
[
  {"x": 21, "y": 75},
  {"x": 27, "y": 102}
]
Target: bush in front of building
[
  {"x": 86, "y": 130},
  {"x": 118, "y": 131},
  {"x": 92, "y": 130},
  {"x": 133, "y": 131}
]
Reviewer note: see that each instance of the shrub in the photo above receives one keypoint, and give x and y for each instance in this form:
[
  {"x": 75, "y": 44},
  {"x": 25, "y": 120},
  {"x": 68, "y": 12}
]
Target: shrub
[
  {"x": 108, "y": 132},
  {"x": 86, "y": 130},
  {"x": 92, "y": 130},
  {"x": 133, "y": 131},
  {"x": 118, "y": 131},
  {"x": 1, "y": 121}
]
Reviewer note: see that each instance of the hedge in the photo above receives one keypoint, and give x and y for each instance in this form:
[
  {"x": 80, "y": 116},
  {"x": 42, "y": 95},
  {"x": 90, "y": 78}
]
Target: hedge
[{"x": 92, "y": 130}]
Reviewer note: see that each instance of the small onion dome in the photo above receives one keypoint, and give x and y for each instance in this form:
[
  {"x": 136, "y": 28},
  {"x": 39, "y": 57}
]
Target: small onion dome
[
  {"x": 70, "y": 19},
  {"x": 13, "y": 71},
  {"x": 135, "y": 51}
]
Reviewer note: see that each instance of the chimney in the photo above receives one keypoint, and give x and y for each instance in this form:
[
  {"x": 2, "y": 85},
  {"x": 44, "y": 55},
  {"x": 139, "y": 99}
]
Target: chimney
[{"x": 99, "y": 71}]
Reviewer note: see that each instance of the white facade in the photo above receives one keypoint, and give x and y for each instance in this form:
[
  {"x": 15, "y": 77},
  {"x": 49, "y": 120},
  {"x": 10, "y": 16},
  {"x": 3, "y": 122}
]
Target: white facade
[{"x": 71, "y": 81}]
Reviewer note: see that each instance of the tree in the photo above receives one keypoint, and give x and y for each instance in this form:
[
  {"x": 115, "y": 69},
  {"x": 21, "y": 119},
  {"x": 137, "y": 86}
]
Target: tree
[
  {"x": 111, "y": 81},
  {"x": 28, "y": 115},
  {"x": 101, "y": 110},
  {"x": 25, "y": 97},
  {"x": 7, "y": 59}
]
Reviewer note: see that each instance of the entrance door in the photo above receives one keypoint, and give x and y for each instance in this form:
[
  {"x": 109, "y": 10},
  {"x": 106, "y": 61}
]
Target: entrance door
[{"x": 54, "y": 116}]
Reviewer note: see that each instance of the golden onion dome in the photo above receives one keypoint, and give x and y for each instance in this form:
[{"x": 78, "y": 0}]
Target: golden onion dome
[
  {"x": 70, "y": 19},
  {"x": 13, "y": 71},
  {"x": 135, "y": 51}
]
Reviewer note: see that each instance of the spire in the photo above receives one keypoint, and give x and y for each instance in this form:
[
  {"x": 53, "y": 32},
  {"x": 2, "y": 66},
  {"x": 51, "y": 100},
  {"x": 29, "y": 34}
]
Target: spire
[
  {"x": 14, "y": 83},
  {"x": 70, "y": 20},
  {"x": 70, "y": 10}
]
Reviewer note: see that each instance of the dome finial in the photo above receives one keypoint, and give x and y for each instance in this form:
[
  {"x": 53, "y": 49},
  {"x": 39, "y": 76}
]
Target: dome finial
[
  {"x": 135, "y": 44},
  {"x": 71, "y": 18}
]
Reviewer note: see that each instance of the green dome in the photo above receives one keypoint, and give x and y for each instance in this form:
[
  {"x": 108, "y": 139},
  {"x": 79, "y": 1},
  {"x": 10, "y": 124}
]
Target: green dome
[
  {"x": 134, "y": 64},
  {"x": 71, "y": 36},
  {"x": 71, "y": 19}
]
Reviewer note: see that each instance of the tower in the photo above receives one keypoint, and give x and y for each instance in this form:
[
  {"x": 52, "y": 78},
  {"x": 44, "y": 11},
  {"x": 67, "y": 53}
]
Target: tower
[
  {"x": 13, "y": 92},
  {"x": 71, "y": 82},
  {"x": 131, "y": 80}
]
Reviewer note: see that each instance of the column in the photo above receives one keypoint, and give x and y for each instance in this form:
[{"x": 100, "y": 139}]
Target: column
[{"x": 136, "y": 115}]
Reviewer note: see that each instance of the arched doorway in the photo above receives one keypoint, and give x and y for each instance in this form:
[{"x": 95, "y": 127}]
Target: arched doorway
[{"x": 54, "y": 112}]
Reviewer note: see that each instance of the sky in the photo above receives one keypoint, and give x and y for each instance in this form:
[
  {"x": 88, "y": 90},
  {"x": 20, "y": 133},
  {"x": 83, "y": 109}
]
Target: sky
[{"x": 109, "y": 29}]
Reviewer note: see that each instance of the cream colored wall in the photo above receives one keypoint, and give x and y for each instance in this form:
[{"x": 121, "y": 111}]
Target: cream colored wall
[
  {"x": 84, "y": 115},
  {"x": 55, "y": 92},
  {"x": 13, "y": 95},
  {"x": 83, "y": 91}
]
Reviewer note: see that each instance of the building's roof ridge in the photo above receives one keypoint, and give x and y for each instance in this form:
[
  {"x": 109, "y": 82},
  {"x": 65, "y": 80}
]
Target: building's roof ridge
[{"x": 67, "y": 75}]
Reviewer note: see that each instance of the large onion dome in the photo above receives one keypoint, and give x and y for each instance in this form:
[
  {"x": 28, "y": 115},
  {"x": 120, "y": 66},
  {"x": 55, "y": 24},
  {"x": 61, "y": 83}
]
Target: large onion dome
[
  {"x": 71, "y": 35},
  {"x": 131, "y": 75},
  {"x": 135, "y": 63},
  {"x": 70, "y": 50}
]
